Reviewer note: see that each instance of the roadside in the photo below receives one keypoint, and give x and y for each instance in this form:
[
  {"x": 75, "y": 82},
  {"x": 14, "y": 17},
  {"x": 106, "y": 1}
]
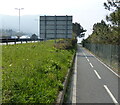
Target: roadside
[{"x": 69, "y": 91}]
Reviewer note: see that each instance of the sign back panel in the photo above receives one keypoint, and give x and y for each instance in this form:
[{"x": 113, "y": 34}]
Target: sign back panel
[{"x": 55, "y": 27}]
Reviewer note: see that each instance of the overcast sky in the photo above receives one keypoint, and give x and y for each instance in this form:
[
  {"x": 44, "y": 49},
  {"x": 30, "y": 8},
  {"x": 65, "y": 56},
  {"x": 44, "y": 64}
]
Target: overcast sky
[{"x": 86, "y": 12}]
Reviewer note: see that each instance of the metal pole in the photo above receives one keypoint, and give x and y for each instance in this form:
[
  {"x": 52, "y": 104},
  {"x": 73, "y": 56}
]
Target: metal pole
[
  {"x": 66, "y": 26},
  {"x": 39, "y": 26},
  {"x": 19, "y": 19},
  {"x": 19, "y": 15},
  {"x": 55, "y": 28},
  {"x": 45, "y": 28}
]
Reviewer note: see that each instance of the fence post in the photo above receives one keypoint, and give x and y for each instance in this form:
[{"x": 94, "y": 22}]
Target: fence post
[
  {"x": 7, "y": 41},
  {"x": 15, "y": 41}
]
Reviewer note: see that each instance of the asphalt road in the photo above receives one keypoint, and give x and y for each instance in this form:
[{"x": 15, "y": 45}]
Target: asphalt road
[{"x": 94, "y": 82}]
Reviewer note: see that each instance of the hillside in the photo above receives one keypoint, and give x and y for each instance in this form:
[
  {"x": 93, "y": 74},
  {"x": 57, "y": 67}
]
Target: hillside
[{"x": 29, "y": 23}]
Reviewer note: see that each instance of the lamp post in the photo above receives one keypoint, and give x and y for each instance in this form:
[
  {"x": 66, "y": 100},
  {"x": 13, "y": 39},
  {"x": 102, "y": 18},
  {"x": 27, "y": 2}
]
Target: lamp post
[{"x": 19, "y": 15}]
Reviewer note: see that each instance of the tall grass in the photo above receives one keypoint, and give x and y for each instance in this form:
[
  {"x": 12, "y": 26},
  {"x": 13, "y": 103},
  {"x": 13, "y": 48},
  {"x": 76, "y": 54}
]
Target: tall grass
[
  {"x": 33, "y": 72},
  {"x": 0, "y": 74}
]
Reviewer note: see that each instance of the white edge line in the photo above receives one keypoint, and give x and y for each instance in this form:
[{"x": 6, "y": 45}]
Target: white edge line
[
  {"x": 97, "y": 74},
  {"x": 91, "y": 64},
  {"x": 74, "y": 81},
  {"x": 106, "y": 66},
  {"x": 111, "y": 95},
  {"x": 109, "y": 68}
]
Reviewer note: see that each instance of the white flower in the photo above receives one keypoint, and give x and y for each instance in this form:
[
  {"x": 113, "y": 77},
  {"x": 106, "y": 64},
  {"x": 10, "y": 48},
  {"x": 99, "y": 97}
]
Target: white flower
[{"x": 10, "y": 65}]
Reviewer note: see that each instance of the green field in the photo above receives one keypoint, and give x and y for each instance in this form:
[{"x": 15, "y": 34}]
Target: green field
[{"x": 33, "y": 72}]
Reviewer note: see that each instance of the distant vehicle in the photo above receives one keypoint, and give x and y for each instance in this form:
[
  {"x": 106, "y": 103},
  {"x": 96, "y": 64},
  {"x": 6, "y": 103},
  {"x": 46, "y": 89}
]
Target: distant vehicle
[
  {"x": 14, "y": 37},
  {"x": 24, "y": 37}
]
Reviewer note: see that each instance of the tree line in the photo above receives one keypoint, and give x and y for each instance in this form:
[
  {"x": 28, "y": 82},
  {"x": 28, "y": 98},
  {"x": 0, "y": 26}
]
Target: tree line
[{"x": 107, "y": 33}]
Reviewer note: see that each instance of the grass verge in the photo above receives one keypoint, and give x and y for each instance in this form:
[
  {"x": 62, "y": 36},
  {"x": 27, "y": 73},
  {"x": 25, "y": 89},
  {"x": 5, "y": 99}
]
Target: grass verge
[{"x": 34, "y": 72}]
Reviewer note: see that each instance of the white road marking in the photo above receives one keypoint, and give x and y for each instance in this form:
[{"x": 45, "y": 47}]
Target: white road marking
[
  {"x": 91, "y": 65},
  {"x": 111, "y": 95},
  {"x": 84, "y": 54},
  {"x": 88, "y": 60},
  {"x": 74, "y": 81},
  {"x": 106, "y": 66},
  {"x": 97, "y": 74},
  {"x": 86, "y": 57}
]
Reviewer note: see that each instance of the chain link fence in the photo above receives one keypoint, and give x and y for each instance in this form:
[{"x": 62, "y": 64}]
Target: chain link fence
[{"x": 109, "y": 54}]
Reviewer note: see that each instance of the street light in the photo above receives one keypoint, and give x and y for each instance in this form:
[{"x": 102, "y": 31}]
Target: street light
[{"x": 19, "y": 15}]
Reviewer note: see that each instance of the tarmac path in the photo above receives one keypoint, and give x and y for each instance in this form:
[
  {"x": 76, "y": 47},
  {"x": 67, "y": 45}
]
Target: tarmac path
[{"x": 94, "y": 82}]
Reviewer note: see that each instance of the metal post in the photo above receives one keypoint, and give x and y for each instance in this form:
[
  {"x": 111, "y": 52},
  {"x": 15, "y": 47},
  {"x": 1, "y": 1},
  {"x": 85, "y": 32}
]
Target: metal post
[
  {"x": 19, "y": 20},
  {"x": 66, "y": 27},
  {"x": 55, "y": 28},
  {"x": 19, "y": 15},
  {"x": 40, "y": 27},
  {"x": 45, "y": 27}
]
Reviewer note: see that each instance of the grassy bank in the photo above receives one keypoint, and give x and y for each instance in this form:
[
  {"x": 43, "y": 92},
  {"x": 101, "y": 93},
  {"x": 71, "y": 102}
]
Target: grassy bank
[{"x": 33, "y": 72}]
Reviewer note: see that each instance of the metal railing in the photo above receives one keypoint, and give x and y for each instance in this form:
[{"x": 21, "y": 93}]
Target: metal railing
[{"x": 15, "y": 40}]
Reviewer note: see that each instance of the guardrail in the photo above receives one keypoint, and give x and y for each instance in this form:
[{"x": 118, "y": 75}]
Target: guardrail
[{"x": 3, "y": 40}]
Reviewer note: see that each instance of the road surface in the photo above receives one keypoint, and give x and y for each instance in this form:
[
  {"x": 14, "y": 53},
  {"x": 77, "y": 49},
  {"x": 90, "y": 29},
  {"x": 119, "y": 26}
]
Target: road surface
[{"x": 93, "y": 81}]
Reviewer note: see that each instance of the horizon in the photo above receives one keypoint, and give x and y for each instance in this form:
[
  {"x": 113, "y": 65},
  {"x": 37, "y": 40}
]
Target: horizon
[{"x": 87, "y": 13}]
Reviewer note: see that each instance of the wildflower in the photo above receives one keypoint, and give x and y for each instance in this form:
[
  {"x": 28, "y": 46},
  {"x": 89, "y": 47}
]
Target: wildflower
[{"x": 10, "y": 65}]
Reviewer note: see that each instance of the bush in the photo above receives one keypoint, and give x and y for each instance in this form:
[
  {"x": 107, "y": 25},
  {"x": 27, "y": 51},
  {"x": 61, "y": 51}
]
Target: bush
[{"x": 65, "y": 44}]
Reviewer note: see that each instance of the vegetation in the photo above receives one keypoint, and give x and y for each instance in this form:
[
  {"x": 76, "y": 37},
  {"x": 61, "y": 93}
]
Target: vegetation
[
  {"x": 66, "y": 44},
  {"x": 0, "y": 74},
  {"x": 34, "y": 72},
  {"x": 78, "y": 30},
  {"x": 107, "y": 33}
]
